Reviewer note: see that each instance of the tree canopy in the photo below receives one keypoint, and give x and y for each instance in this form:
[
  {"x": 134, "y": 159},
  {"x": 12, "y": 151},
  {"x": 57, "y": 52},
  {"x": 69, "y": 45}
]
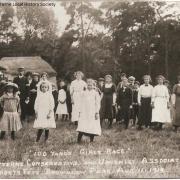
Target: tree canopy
[{"x": 132, "y": 37}]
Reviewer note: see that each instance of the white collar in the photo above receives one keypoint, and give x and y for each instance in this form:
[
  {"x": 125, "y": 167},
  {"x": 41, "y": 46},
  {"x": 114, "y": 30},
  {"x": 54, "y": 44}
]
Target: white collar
[{"x": 108, "y": 85}]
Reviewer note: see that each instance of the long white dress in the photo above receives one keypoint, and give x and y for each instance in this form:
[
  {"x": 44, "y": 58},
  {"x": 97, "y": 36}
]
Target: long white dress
[
  {"x": 76, "y": 88},
  {"x": 62, "y": 107},
  {"x": 90, "y": 105},
  {"x": 160, "y": 97},
  {"x": 43, "y": 104}
]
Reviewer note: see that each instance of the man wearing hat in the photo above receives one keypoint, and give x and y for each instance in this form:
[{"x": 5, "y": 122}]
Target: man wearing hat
[
  {"x": 100, "y": 84},
  {"x": 20, "y": 80},
  {"x": 131, "y": 81},
  {"x": 119, "y": 86}
]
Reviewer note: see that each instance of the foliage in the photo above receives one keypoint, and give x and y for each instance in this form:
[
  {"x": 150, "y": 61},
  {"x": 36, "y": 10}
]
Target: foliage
[{"x": 134, "y": 37}]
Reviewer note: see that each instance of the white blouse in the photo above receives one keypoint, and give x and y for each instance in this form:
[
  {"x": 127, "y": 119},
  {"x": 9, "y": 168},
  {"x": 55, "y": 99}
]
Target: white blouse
[
  {"x": 77, "y": 86},
  {"x": 145, "y": 92}
]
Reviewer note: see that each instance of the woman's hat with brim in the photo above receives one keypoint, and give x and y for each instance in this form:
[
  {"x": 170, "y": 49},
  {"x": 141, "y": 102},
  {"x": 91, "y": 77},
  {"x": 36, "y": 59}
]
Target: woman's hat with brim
[{"x": 13, "y": 85}]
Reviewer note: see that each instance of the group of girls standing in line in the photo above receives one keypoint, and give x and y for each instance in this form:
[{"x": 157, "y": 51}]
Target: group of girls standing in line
[
  {"x": 88, "y": 104},
  {"x": 146, "y": 105}
]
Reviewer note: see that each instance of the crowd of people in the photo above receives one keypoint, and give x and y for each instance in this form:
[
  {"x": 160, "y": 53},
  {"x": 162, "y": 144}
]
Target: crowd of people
[{"x": 87, "y": 104}]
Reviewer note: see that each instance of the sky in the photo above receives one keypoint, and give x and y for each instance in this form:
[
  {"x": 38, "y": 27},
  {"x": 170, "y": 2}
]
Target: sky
[{"x": 63, "y": 18}]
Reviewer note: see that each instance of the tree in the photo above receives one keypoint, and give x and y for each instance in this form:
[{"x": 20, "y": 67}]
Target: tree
[
  {"x": 39, "y": 28},
  {"x": 83, "y": 19}
]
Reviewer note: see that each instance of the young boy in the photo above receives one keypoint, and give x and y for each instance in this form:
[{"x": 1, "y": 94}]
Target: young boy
[
  {"x": 135, "y": 102},
  {"x": 124, "y": 101}
]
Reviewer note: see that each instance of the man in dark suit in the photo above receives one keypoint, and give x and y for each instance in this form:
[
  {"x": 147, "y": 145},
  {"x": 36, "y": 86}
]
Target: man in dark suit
[
  {"x": 20, "y": 80},
  {"x": 124, "y": 101},
  {"x": 123, "y": 75}
]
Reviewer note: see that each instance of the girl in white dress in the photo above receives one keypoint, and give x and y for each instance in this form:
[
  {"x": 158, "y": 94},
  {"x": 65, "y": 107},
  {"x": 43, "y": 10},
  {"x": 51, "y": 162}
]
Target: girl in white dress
[
  {"x": 44, "y": 110},
  {"x": 89, "y": 121},
  {"x": 44, "y": 78},
  {"x": 160, "y": 104},
  {"x": 62, "y": 106},
  {"x": 76, "y": 88}
]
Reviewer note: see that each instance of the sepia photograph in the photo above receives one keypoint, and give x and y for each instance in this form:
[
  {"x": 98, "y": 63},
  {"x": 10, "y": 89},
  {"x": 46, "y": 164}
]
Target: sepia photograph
[{"x": 89, "y": 89}]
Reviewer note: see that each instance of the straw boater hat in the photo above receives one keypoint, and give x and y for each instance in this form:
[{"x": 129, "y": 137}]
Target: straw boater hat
[
  {"x": 21, "y": 68},
  {"x": 131, "y": 78},
  {"x": 160, "y": 77},
  {"x": 101, "y": 79},
  {"x": 13, "y": 85},
  {"x": 108, "y": 76},
  {"x": 36, "y": 74}
]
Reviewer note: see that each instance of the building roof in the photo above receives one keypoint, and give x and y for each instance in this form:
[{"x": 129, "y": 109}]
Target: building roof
[{"x": 33, "y": 64}]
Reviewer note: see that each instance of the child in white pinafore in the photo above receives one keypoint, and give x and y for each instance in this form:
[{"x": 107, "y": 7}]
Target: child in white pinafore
[
  {"x": 89, "y": 121},
  {"x": 76, "y": 88},
  {"x": 44, "y": 110},
  {"x": 62, "y": 106}
]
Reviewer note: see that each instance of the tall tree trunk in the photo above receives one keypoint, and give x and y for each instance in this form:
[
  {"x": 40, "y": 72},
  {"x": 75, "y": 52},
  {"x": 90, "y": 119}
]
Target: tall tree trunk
[
  {"x": 82, "y": 40},
  {"x": 149, "y": 61},
  {"x": 149, "y": 68},
  {"x": 166, "y": 56},
  {"x": 116, "y": 56},
  {"x": 132, "y": 59}
]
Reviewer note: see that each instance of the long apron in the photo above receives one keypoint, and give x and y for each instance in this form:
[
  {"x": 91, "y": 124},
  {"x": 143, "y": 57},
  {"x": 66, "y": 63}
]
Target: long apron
[
  {"x": 76, "y": 106},
  {"x": 160, "y": 112}
]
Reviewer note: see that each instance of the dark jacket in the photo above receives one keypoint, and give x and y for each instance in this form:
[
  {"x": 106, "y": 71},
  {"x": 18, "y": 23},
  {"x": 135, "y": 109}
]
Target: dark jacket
[
  {"x": 124, "y": 97},
  {"x": 21, "y": 82}
]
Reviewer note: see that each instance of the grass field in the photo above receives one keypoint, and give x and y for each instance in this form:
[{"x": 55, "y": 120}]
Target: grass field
[{"x": 118, "y": 153}]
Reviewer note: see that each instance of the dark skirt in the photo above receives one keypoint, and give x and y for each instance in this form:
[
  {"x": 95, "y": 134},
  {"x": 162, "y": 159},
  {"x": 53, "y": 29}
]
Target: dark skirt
[
  {"x": 145, "y": 112},
  {"x": 32, "y": 99},
  {"x": 68, "y": 102},
  {"x": 176, "y": 120},
  {"x": 106, "y": 111}
]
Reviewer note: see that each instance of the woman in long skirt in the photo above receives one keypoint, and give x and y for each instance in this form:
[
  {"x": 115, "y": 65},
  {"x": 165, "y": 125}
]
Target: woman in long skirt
[
  {"x": 144, "y": 101},
  {"x": 160, "y": 104},
  {"x": 89, "y": 121},
  {"x": 108, "y": 100},
  {"x": 176, "y": 104},
  {"x": 76, "y": 88}
]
